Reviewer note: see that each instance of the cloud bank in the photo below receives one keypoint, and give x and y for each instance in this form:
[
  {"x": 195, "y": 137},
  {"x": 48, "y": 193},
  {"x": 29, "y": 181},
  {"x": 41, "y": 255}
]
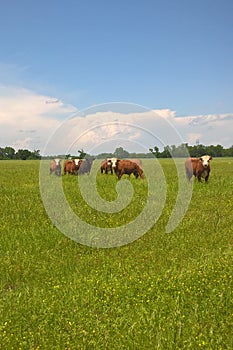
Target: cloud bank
[{"x": 34, "y": 121}]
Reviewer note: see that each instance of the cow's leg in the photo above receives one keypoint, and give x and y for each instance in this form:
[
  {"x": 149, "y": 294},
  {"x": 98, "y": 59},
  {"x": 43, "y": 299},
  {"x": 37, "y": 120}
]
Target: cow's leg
[{"x": 120, "y": 173}]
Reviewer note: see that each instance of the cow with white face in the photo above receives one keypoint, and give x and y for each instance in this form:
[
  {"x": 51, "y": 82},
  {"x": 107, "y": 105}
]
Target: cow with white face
[
  {"x": 113, "y": 162},
  {"x": 55, "y": 166},
  {"x": 199, "y": 167}
]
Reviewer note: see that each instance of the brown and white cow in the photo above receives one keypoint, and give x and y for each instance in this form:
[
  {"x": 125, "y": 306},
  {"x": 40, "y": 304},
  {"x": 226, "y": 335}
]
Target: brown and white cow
[
  {"x": 69, "y": 167},
  {"x": 137, "y": 161},
  {"x": 128, "y": 167},
  {"x": 199, "y": 167},
  {"x": 106, "y": 166},
  {"x": 55, "y": 166}
]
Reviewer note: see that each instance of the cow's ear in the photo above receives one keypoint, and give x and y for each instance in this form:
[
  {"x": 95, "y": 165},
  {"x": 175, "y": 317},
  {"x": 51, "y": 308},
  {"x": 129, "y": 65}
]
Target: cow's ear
[
  {"x": 200, "y": 158},
  {"x": 210, "y": 158}
]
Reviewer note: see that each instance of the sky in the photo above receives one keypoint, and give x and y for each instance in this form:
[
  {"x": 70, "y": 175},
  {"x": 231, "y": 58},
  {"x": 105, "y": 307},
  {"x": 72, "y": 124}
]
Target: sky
[{"x": 156, "y": 64}]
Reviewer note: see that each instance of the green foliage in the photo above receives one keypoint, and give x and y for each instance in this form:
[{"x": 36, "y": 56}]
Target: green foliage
[
  {"x": 9, "y": 153},
  {"x": 163, "y": 291},
  {"x": 185, "y": 150},
  {"x": 121, "y": 153}
]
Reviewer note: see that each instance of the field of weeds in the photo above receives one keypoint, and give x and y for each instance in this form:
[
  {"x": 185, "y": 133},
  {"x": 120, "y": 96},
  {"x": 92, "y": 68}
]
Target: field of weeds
[{"x": 162, "y": 291}]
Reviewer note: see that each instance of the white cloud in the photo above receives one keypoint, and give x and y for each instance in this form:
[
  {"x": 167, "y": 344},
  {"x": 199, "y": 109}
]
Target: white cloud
[
  {"x": 23, "y": 111},
  {"x": 31, "y": 120}
]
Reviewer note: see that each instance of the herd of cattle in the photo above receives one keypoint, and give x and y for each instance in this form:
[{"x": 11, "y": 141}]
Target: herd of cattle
[{"x": 199, "y": 167}]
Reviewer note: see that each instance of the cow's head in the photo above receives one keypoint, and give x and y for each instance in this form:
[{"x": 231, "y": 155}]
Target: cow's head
[
  {"x": 112, "y": 161},
  {"x": 57, "y": 161},
  {"x": 205, "y": 160}
]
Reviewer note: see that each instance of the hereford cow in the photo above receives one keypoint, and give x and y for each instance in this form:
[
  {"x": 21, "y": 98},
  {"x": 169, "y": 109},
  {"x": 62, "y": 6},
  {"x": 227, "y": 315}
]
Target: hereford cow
[
  {"x": 85, "y": 166},
  {"x": 199, "y": 167},
  {"x": 106, "y": 166},
  {"x": 69, "y": 167},
  {"x": 137, "y": 161},
  {"x": 128, "y": 167},
  {"x": 55, "y": 166}
]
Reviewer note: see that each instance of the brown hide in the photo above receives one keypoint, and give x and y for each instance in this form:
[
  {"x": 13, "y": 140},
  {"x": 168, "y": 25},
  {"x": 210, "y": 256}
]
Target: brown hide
[
  {"x": 194, "y": 166},
  {"x": 70, "y": 167},
  {"x": 55, "y": 168},
  {"x": 106, "y": 166},
  {"x": 137, "y": 161},
  {"x": 128, "y": 167}
]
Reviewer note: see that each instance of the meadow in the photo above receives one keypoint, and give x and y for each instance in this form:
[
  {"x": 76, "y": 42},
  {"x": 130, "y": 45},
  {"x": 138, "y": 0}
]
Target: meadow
[{"x": 162, "y": 291}]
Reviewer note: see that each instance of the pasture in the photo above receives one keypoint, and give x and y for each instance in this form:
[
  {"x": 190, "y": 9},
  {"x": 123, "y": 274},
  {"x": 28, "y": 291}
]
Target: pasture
[{"x": 163, "y": 291}]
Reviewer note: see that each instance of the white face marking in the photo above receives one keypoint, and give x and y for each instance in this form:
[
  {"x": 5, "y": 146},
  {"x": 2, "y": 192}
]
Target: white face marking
[
  {"x": 205, "y": 161},
  {"x": 112, "y": 161},
  {"x": 57, "y": 161},
  {"x": 76, "y": 161}
]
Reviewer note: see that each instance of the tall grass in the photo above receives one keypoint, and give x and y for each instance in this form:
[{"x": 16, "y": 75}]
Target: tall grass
[{"x": 163, "y": 291}]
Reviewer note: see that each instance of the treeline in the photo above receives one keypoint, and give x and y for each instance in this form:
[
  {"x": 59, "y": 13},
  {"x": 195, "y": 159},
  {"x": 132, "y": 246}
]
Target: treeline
[
  {"x": 194, "y": 151},
  {"x": 9, "y": 153},
  {"x": 180, "y": 151},
  {"x": 121, "y": 153}
]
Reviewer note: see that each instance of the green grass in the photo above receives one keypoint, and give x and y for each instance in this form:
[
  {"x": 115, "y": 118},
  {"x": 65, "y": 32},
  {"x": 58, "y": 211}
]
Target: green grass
[{"x": 163, "y": 291}]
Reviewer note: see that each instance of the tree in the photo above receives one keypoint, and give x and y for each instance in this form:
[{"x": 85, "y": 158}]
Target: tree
[
  {"x": 121, "y": 153},
  {"x": 154, "y": 151},
  {"x": 82, "y": 154},
  {"x": 9, "y": 153},
  {"x": 167, "y": 152},
  {"x": 23, "y": 154}
]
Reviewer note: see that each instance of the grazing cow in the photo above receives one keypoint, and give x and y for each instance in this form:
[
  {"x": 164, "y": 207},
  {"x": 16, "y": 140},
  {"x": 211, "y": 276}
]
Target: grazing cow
[
  {"x": 55, "y": 166},
  {"x": 199, "y": 167},
  {"x": 106, "y": 165},
  {"x": 85, "y": 166},
  {"x": 128, "y": 167},
  {"x": 137, "y": 161},
  {"x": 70, "y": 167}
]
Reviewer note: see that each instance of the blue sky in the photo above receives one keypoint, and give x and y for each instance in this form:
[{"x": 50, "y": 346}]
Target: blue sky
[{"x": 168, "y": 55}]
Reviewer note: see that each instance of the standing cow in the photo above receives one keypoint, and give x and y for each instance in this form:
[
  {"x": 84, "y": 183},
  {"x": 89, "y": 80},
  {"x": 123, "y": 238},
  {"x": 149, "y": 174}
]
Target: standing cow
[
  {"x": 85, "y": 166},
  {"x": 199, "y": 167},
  {"x": 128, "y": 167},
  {"x": 137, "y": 161},
  {"x": 69, "y": 167},
  {"x": 55, "y": 166},
  {"x": 108, "y": 165}
]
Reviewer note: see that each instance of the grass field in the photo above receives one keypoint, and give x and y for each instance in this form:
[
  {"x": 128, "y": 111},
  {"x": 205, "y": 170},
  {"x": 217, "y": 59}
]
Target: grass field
[{"x": 163, "y": 291}]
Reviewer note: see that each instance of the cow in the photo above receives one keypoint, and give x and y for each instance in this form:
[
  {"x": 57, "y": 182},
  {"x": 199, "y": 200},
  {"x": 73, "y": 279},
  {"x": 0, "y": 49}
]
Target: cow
[
  {"x": 70, "y": 167},
  {"x": 106, "y": 166},
  {"x": 55, "y": 166},
  {"x": 77, "y": 165},
  {"x": 128, "y": 167},
  {"x": 199, "y": 167},
  {"x": 137, "y": 161},
  {"x": 85, "y": 166}
]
